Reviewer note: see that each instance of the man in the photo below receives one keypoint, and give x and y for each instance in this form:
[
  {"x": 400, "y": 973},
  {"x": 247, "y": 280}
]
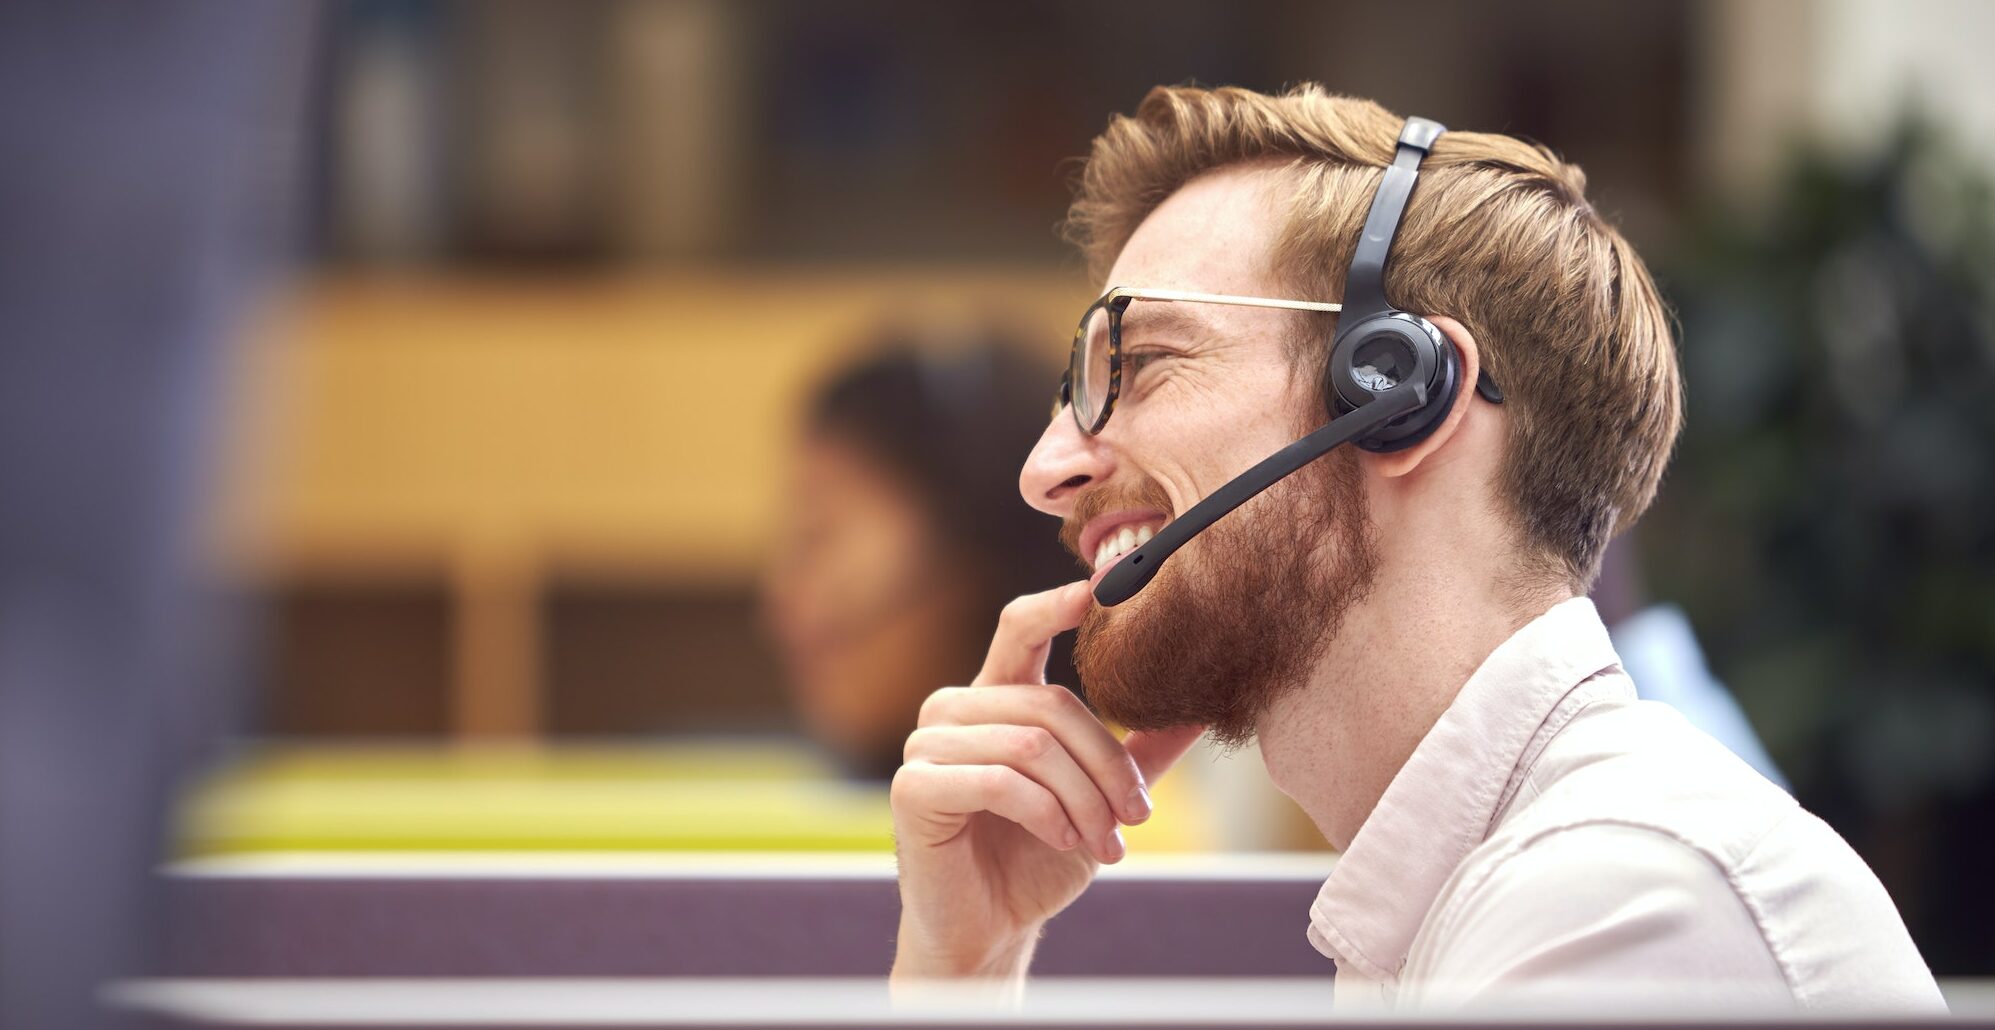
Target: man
[{"x": 1403, "y": 631}]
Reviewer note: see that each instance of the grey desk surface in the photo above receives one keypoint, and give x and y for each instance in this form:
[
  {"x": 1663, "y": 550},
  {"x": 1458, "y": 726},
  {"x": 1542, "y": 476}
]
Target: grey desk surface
[{"x": 765, "y": 1002}]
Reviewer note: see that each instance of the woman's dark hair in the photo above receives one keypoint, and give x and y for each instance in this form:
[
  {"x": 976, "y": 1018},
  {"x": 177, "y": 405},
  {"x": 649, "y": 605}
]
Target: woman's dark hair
[{"x": 953, "y": 420}]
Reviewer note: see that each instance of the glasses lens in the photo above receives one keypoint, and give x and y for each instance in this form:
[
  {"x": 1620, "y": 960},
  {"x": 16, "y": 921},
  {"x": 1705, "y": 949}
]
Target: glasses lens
[{"x": 1091, "y": 371}]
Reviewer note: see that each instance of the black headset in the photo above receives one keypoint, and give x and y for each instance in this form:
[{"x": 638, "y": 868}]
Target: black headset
[{"x": 1389, "y": 383}]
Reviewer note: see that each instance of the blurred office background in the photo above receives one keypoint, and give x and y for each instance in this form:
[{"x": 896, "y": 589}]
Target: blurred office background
[{"x": 503, "y": 450}]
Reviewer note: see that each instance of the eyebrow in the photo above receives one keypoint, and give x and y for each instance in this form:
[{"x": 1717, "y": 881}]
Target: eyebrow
[{"x": 1158, "y": 316}]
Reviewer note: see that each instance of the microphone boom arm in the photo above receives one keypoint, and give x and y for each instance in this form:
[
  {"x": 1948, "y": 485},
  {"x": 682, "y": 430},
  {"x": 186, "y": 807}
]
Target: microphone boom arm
[{"x": 1136, "y": 569}]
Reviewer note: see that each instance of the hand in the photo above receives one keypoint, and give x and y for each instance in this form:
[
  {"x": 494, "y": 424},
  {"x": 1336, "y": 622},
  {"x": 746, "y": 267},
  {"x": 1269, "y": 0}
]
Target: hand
[{"x": 1009, "y": 799}]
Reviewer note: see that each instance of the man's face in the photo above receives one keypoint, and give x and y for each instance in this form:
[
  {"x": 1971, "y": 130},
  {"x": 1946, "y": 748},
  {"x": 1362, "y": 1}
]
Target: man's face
[{"x": 1241, "y": 613}]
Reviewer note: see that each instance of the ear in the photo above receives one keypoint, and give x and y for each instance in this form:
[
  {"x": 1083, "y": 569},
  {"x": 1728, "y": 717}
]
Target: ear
[{"x": 1399, "y": 463}]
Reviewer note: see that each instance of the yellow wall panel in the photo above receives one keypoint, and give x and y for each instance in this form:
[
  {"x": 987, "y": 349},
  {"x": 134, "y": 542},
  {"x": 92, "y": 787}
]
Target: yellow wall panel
[{"x": 630, "y": 420}]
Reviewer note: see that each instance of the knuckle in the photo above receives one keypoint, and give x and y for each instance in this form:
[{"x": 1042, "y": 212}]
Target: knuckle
[
  {"x": 1015, "y": 611},
  {"x": 1046, "y": 809},
  {"x": 906, "y": 785},
  {"x": 997, "y": 781},
  {"x": 1027, "y": 744},
  {"x": 916, "y": 743},
  {"x": 935, "y": 703},
  {"x": 1051, "y": 702}
]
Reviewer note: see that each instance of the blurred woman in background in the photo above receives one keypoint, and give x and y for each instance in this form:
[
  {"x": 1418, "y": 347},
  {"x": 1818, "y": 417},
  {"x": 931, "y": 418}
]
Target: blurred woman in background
[{"x": 903, "y": 534}]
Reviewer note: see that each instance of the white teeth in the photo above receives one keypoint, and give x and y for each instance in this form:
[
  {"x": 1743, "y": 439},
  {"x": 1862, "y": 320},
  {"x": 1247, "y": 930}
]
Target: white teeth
[{"x": 1127, "y": 539}]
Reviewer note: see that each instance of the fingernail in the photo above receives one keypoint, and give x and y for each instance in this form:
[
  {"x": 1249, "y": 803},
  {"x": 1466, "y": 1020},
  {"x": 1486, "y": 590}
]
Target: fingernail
[
  {"x": 1137, "y": 808},
  {"x": 1072, "y": 837},
  {"x": 1113, "y": 847}
]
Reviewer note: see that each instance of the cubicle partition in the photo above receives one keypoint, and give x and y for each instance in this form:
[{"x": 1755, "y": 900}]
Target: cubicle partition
[
  {"x": 750, "y": 940},
  {"x": 717, "y": 915},
  {"x": 655, "y": 939}
]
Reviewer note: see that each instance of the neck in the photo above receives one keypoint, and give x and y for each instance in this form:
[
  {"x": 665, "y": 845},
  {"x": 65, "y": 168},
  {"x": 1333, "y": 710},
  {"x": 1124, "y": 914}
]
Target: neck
[{"x": 1397, "y": 662}]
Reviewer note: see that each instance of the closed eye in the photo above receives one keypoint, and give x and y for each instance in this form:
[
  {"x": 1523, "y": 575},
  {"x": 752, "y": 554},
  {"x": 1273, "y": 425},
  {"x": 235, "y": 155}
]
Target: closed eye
[{"x": 1134, "y": 383}]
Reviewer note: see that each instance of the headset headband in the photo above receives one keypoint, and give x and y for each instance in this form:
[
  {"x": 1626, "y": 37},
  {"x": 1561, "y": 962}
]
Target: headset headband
[{"x": 1364, "y": 289}]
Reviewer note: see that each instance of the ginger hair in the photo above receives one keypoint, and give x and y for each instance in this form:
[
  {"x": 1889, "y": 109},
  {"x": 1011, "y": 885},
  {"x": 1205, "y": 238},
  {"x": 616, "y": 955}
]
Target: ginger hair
[{"x": 1498, "y": 235}]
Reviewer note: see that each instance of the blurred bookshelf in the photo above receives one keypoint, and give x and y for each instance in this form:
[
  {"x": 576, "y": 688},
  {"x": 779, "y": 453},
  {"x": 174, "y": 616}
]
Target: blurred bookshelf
[
  {"x": 504, "y": 461},
  {"x": 573, "y": 266},
  {"x": 456, "y": 492}
]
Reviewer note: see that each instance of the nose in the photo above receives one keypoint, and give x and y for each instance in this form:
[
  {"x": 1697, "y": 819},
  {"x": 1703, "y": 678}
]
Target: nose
[{"x": 1062, "y": 463}]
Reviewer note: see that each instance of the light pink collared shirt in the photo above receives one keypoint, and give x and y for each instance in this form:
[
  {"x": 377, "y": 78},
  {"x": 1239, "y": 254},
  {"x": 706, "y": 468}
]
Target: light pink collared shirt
[{"x": 1554, "y": 839}]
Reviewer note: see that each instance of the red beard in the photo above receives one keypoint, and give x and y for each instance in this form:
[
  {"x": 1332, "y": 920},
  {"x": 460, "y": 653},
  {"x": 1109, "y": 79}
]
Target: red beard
[{"x": 1241, "y": 614}]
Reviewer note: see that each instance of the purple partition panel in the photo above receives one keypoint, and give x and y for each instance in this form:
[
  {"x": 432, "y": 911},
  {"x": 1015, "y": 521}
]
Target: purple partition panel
[{"x": 274, "y": 926}]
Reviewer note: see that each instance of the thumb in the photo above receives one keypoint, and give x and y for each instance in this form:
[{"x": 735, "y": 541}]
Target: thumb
[{"x": 1155, "y": 751}]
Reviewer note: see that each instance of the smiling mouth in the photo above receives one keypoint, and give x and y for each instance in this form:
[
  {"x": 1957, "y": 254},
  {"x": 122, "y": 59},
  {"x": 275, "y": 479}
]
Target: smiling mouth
[{"x": 1121, "y": 542}]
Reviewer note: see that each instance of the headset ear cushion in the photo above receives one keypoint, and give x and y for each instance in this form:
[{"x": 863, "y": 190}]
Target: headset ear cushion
[{"x": 1382, "y": 352}]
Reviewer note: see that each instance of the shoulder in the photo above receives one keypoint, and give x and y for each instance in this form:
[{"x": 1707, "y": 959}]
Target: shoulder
[
  {"x": 1640, "y": 763},
  {"x": 1596, "y": 907},
  {"x": 1588, "y": 866},
  {"x": 1637, "y": 846}
]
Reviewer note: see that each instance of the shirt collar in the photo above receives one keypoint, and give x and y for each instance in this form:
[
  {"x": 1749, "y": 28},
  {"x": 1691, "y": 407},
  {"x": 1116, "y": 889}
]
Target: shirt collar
[{"x": 1443, "y": 801}]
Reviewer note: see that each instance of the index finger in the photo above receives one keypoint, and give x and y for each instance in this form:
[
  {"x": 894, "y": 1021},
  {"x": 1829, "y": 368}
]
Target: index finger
[{"x": 1025, "y": 633}]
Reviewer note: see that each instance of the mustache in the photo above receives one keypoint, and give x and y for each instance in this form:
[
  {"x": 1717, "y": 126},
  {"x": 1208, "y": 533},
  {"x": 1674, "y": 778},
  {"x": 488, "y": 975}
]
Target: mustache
[{"x": 1091, "y": 504}]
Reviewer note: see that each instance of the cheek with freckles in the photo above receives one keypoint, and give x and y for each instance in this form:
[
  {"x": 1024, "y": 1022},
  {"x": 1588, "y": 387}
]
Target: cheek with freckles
[{"x": 1194, "y": 456}]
